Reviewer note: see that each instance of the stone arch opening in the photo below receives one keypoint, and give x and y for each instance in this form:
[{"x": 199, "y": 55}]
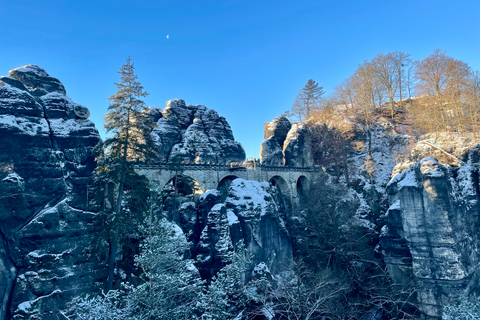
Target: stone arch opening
[
  {"x": 178, "y": 190},
  {"x": 183, "y": 185},
  {"x": 224, "y": 185},
  {"x": 284, "y": 191},
  {"x": 303, "y": 188},
  {"x": 179, "y": 201}
]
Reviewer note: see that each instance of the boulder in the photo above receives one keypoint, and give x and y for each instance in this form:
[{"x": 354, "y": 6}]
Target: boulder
[
  {"x": 260, "y": 224},
  {"x": 37, "y": 80},
  {"x": 271, "y": 152},
  {"x": 277, "y": 128},
  {"x": 286, "y": 144}
]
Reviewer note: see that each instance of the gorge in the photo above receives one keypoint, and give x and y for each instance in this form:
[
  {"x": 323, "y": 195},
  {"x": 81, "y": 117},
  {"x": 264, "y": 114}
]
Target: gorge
[{"x": 418, "y": 217}]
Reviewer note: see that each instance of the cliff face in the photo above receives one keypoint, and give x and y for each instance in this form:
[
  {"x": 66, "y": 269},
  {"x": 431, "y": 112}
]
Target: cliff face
[
  {"x": 429, "y": 234},
  {"x": 286, "y": 144},
  {"x": 431, "y": 231},
  {"x": 46, "y": 168},
  {"x": 217, "y": 220},
  {"x": 195, "y": 134}
]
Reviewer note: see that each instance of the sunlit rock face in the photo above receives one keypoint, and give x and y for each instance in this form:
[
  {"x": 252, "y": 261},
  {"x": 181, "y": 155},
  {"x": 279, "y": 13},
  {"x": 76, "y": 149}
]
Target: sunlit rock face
[
  {"x": 297, "y": 148},
  {"x": 45, "y": 219},
  {"x": 286, "y": 144},
  {"x": 195, "y": 134},
  {"x": 432, "y": 232}
]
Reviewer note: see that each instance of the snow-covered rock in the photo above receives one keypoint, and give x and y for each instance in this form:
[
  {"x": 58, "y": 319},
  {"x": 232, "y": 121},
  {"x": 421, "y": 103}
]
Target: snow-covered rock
[
  {"x": 250, "y": 214},
  {"x": 431, "y": 233},
  {"x": 47, "y": 165},
  {"x": 195, "y": 134}
]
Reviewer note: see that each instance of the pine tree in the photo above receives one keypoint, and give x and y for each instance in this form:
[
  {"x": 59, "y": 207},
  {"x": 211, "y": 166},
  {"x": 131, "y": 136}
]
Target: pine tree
[
  {"x": 308, "y": 100},
  {"x": 123, "y": 193},
  {"x": 169, "y": 286}
]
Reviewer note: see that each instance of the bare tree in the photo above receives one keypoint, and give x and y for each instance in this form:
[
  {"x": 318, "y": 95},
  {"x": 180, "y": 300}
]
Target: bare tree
[
  {"x": 439, "y": 74},
  {"x": 402, "y": 62},
  {"x": 442, "y": 81},
  {"x": 365, "y": 86},
  {"x": 300, "y": 294},
  {"x": 385, "y": 70},
  {"x": 389, "y": 71}
]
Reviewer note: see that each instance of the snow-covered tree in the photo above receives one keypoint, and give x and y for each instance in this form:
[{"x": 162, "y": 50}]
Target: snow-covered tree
[
  {"x": 169, "y": 286},
  {"x": 120, "y": 190},
  {"x": 225, "y": 296}
]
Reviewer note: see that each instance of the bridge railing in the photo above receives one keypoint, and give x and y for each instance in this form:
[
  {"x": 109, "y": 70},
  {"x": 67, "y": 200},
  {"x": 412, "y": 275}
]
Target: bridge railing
[{"x": 218, "y": 167}]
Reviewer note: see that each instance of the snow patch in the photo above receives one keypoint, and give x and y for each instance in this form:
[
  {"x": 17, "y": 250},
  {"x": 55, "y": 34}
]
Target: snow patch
[
  {"x": 25, "y": 125},
  {"x": 14, "y": 178},
  {"x": 32, "y": 68},
  {"x": 232, "y": 218},
  {"x": 251, "y": 197},
  {"x": 65, "y": 128}
]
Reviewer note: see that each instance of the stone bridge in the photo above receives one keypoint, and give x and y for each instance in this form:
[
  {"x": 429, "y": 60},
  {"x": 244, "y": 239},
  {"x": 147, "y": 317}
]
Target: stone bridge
[{"x": 294, "y": 182}]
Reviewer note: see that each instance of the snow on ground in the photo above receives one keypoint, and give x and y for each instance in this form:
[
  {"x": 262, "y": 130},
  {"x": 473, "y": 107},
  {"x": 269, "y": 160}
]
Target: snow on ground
[{"x": 28, "y": 306}]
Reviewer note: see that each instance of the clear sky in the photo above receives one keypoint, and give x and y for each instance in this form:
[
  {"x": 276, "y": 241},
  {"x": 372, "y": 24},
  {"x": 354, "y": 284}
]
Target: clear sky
[{"x": 245, "y": 59}]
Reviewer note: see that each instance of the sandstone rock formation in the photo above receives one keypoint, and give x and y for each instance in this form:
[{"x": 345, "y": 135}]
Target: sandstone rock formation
[
  {"x": 46, "y": 168},
  {"x": 432, "y": 232},
  {"x": 195, "y": 134},
  {"x": 249, "y": 213},
  {"x": 297, "y": 148},
  {"x": 286, "y": 144}
]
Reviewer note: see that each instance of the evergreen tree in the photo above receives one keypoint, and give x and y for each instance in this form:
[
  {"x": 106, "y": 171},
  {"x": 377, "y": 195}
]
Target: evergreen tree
[
  {"x": 308, "y": 100},
  {"x": 123, "y": 193},
  {"x": 169, "y": 286}
]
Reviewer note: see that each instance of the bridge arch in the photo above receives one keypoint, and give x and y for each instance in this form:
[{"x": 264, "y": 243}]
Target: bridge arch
[
  {"x": 184, "y": 185},
  {"x": 224, "y": 185},
  {"x": 284, "y": 190},
  {"x": 303, "y": 188}
]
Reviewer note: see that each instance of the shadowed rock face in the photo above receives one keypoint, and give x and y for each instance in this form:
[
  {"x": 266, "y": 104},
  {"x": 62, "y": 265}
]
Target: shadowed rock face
[
  {"x": 250, "y": 213},
  {"x": 195, "y": 134},
  {"x": 45, "y": 222},
  {"x": 431, "y": 232},
  {"x": 37, "y": 80}
]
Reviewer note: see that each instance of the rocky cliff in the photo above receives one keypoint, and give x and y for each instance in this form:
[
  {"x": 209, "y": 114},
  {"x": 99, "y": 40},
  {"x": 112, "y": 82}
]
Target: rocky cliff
[
  {"x": 423, "y": 223},
  {"x": 45, "y": 219},
  {"x": 247, "y": 211},
  {"x": 431, "y": 232},
  {"x": 194, "y": 134},
  {"x": 286, "y": 144}
]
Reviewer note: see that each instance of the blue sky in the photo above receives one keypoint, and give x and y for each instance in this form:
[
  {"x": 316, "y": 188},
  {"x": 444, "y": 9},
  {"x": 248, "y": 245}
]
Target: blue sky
[{"x": 245, "y": 59}]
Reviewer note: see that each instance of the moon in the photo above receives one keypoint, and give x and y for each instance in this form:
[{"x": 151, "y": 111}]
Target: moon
[{"x": 168, "y": 36}]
